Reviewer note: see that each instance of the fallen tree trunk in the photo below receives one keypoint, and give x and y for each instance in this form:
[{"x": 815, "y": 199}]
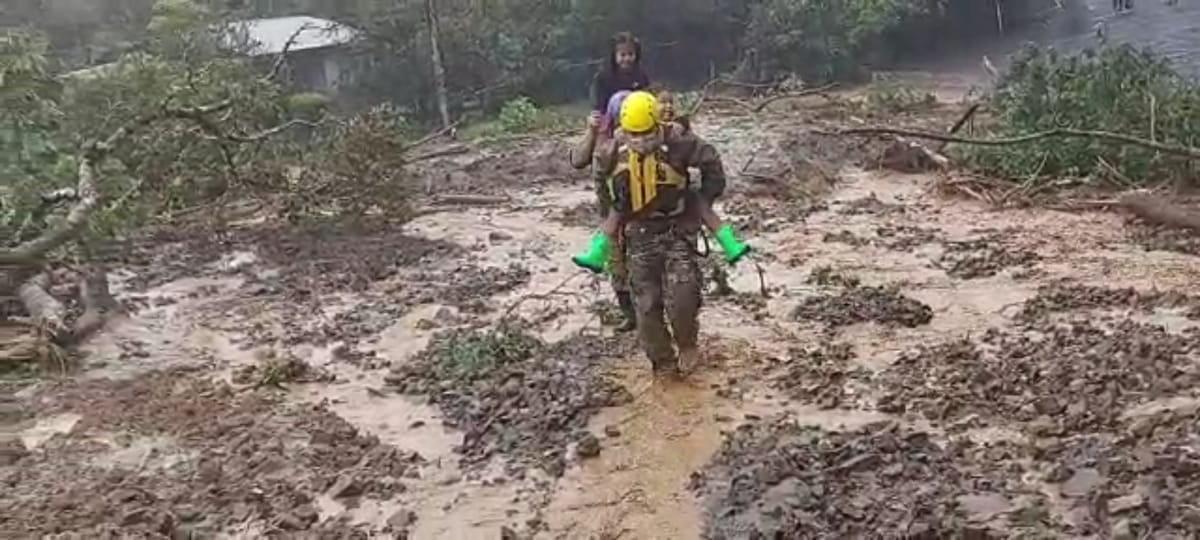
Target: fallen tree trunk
[
  {"x": 45, "y": 311},
  {"x": 1157, "y": 210}
]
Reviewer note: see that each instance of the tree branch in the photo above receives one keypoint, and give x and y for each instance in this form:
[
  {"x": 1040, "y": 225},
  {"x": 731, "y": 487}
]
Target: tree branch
[{"x": 1186, "y": 151}]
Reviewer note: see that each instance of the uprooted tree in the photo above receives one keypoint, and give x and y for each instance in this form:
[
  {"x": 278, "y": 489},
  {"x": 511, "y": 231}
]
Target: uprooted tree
[{"x": 185, "y": 123}]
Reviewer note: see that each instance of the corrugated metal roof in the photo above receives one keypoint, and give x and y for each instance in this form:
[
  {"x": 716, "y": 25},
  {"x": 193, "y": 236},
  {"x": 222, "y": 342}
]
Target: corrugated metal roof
[{"x": 269, "y": 36}]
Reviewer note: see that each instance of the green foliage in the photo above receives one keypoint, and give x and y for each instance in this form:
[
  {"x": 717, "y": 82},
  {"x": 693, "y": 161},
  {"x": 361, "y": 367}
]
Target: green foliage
[
  {"x": 30, "y": 159},
  {"x": 469, "y": 355},
  {"x": 1117, "y": 89},
  {"x": 353, "y": 167},
  {"x": 518, "y": 115},
  {"x": 823, "y": 39},
  {"x": 886, "y": 94}
]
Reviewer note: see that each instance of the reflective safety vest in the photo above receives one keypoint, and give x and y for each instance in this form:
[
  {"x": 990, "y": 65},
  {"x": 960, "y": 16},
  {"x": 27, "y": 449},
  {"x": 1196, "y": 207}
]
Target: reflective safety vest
[{"x": 639, "y": 179}]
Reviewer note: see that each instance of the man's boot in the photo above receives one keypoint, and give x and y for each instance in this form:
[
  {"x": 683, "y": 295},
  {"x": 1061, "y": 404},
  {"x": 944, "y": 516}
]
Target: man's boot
[
  {"x": 597, "y": 255},
  {"x": 689, "y": 359},
  {"x": 733, "y": 247},
  {"x": 628, "y": 312},
  {"x": 667, "y": 368}
]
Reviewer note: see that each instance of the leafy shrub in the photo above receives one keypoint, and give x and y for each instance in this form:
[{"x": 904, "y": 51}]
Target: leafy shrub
[
  {"x": 354, "y": 166},
  {"x": 519, "y": 115},
  {"x": 890, "y": 95},
  {"x": 1117, "y": 89}
]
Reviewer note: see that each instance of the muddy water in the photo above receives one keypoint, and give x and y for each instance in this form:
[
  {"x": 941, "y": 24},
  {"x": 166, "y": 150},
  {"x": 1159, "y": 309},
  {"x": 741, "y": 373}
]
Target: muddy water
[{"x": 637, "y": 486}]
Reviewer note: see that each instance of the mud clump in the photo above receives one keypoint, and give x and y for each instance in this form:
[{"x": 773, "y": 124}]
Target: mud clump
[
  {"x": 984, "y": 257},
  {"x": 274, "y": 370},
  {"x": 1069, "y": 378},
  {"x": 878, "y": 304},
  {"x": 820, "y": 376},
  {"x": 1061, "y": 297},
  {"x": 1153, "y": 238},
  {"x": 827, "y": 276},
  {"x": 904, "y": 237},
  {"x": 845, "y": 237},
  {"x": 514, "y": 395},
  {"x": 1140, "y": 483},
  {"x": 583, "y": 215},
  {"x": 303, "y": 262},
  {"x": 779, "y": 479},
  {"x": 188, "y": 456},
  {"x": 870, "y": 205},
  {"x": 470, "y": 286}
]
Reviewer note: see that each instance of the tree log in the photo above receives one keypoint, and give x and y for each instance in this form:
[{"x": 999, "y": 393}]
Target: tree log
[
  {"x": 1154, "y": 209},
  {"x": 45, "y": 311}
]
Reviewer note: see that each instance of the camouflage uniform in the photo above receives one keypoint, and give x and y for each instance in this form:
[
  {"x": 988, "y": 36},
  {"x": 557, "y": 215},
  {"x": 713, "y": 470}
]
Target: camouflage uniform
[
  {"x": 580, "y": 157},
  {"x": 664, "y": 268}
]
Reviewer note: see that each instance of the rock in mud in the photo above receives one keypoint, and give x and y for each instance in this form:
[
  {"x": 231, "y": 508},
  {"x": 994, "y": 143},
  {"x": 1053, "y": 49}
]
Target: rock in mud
[
  {"x": 779, "y": 479},
  {"x": 1102, "y": 368},
  {"x": 878, "y": 304},
  {"x": 588, "y": 447},
  {"x": 514, "y": 395}
]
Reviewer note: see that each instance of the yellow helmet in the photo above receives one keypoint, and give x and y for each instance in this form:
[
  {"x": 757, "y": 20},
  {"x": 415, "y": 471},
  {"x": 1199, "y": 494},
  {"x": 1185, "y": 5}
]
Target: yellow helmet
[{"x": 639, "y": 112}]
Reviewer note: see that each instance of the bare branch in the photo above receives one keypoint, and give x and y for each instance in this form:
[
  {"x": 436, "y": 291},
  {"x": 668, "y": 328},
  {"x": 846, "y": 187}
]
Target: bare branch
[
  {"x": 282, "y": 58},
  {"x": 1186, "y": 151}
]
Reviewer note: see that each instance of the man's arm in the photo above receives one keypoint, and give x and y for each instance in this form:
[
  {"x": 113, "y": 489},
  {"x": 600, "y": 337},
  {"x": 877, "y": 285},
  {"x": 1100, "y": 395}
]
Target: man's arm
[
  {"x": 598, "y": 93},
  {"x": 581, "y": 154}
]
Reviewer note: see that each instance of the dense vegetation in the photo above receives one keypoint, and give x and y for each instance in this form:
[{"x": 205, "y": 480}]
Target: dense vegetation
[
  {"x": 1117, "y": 89},
  {"x": 495, "y": 50}
]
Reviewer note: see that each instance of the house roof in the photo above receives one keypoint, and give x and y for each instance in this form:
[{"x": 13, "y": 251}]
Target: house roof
[{"x": 270, "y": 36}]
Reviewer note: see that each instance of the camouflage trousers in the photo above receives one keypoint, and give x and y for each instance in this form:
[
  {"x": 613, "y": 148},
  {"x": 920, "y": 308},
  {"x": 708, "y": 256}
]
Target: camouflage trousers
[{"x": 665, "y": 277}]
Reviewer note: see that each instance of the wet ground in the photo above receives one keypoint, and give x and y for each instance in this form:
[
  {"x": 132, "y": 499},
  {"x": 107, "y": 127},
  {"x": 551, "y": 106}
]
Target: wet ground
[{"x": 920, "y": 365}]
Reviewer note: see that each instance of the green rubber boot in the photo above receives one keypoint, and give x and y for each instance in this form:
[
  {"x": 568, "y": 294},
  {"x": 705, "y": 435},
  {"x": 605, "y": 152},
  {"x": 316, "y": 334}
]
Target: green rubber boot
[
  {"x": 597, "y": 255},
  {"x": 734, "y": 248}
]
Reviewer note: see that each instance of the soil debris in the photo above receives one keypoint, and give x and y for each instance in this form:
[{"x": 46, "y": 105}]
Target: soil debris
[
  {"x": 905, "y": 237},
  {"x": 870, "y": 205},
  {"x": 878, "y": 304},
  {"x": 302, "y": 262},
  {"x": 827, "y": 276},
  {"x": 1019, "y": 376},
  {"x": 1143, "y": 482},
  {"x": 275, "y": 370},
  {"x": 982, "y": 257},
  {"x": 169, "y": 454},
  {"x": 1063, "y": 297},
  {"x": 583, "y": 215},
  {"x": 1158, "y": 238},
  {"x": 514, "y": 395},
  {"x": 845, "y": 237},
  {"x": 820, "y": 375},
  {"x": 780, "y": 479}
]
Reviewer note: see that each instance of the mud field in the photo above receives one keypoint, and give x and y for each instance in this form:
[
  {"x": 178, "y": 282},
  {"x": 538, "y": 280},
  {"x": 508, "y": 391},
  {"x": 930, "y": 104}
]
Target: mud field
[{"x": 921, "y": 366}]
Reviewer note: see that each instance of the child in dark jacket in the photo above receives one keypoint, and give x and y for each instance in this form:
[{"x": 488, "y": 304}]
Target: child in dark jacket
[{"x": 622, "y": 71}]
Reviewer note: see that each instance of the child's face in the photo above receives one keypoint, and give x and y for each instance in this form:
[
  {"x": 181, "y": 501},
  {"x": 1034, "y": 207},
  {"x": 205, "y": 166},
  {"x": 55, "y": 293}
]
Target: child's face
[
  {"x": 626, "y": 56},
  {"x": 666, "y": 106}
]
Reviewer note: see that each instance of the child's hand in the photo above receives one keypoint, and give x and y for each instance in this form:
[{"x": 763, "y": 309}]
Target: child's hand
[{"x": 594, "y": 119}]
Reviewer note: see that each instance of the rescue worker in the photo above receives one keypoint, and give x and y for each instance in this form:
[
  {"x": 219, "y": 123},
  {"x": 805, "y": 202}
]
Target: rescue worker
[
  {"x": 646, "y": 167},
  {"x": 581, "y": 156}
]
